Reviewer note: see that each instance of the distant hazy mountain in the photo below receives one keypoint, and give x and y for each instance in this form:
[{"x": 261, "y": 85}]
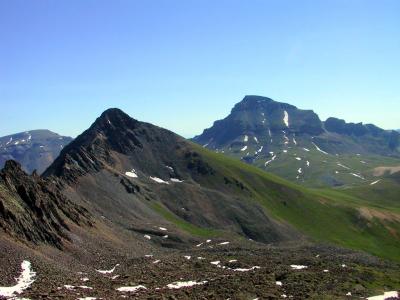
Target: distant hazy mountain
[
  {"x": 34, "y": 150},
  {"x": 297, "y": 145}
]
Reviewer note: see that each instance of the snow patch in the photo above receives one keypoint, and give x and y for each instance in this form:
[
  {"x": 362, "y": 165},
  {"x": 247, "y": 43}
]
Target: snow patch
[
  {"x": 108, "y": 271},
  {"x": 298, "y": 158},
  {"x": 286, "y": 118},
  {"x": 131, "y": 173},
  {"x": 255, "y": 139},
  {"x": 305, "y": 149},
  {"x": 343, "y": 166},
  {"x": 224, "y": 243},
  {"x": 298, "y": 267},
  {"x": 131, "y": 289},
  {"x": 158, "y": 180},
  {"x": 162, "y": 228},
  {"x": 71, "y": 287},
  {"x": 385, "y": 296},
  {"x": 322, "y": 151},
  {"x": 279, "y": 283},
  {"x": 358, "y": 176},
  {"x": 147, "y": 236},
  {"x": 24, "y": 281},
  {"x": 244, "y": 148},
  {"x": 246, "y": 138},
  {"x": 176, "y": 180},
  {"x": 375, "y": 182},
  {"x": 299, "y": 171},
  {"x": 308, "y": 163},
  {"x": 246, "y": 270},
  {"x": 269, "y": 161},
  {"x": 184, "y": 284}
]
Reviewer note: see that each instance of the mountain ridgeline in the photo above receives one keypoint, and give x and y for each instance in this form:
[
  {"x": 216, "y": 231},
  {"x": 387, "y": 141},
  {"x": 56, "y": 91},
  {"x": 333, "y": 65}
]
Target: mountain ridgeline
[
  {"x": 126, "y": 202},
  {"x": 297, "y": 145}
]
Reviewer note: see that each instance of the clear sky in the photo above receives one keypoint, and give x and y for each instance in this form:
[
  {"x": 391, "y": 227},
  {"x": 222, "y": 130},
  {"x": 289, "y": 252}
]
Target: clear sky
[{"x": 183, "y": 64}]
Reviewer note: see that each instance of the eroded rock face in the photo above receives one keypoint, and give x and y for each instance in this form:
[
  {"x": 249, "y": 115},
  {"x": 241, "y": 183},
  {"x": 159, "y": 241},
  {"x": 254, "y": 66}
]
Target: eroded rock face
[{"x": 33, "y": 209}]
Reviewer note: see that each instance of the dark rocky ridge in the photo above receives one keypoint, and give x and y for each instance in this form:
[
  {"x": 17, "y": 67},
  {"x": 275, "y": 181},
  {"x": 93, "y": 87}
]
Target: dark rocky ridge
[
  {"x": 33, "y": 209},
  {"x": 373, "y": 138}
]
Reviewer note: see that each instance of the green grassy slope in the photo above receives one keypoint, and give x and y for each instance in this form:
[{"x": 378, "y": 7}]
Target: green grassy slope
[
  {"x": 322, "y": 170},
  {"x": 324, "y": 214}
]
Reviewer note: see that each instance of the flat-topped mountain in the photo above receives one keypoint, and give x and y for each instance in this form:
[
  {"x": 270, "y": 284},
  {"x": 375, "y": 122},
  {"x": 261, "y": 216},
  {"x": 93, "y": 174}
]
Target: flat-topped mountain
[
  {"x": 34, "y": 150},
  {"x": 297, "y": 145}
]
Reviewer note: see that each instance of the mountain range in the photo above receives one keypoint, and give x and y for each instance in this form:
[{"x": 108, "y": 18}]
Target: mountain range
[
  {"x": 131, "y": 209},
  {"x": 34, "y": 150},
  {"x": 295, "y": 144}
]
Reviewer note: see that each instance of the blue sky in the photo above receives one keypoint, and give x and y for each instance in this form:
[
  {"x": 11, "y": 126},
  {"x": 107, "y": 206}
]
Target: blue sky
[{"x": 183, "y": 64}]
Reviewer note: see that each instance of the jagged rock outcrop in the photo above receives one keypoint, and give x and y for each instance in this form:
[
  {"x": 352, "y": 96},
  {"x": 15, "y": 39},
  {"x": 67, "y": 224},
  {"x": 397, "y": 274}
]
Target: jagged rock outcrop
[{"x": 34, "y": 210}]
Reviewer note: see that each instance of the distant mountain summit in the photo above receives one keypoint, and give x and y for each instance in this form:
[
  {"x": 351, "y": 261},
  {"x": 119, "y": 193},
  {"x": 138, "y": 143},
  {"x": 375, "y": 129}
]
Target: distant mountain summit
[
  {"x": 293, "y": 142},
  {"x": 34, "y": 150}
]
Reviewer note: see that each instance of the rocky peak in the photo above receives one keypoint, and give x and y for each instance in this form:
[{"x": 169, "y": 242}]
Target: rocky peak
[
  {"x": 11, "y": 166},
  {"x": 116, "y": 141},
  {"x": 260, "y": 103}
]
